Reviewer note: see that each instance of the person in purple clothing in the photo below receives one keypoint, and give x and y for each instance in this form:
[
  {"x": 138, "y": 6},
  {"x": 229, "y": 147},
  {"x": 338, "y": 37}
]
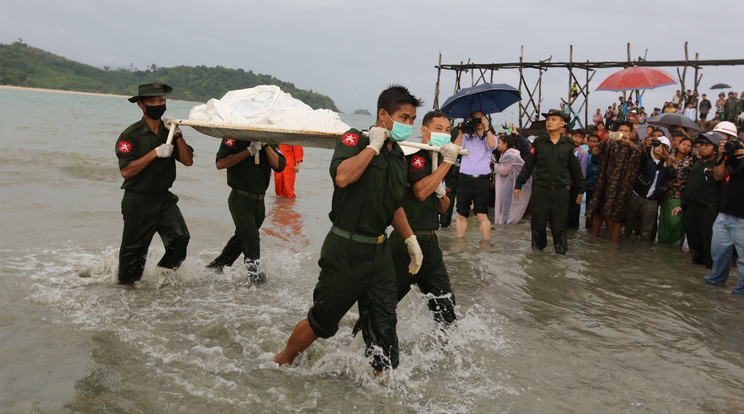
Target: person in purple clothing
[{"x": 473, "y": 184}]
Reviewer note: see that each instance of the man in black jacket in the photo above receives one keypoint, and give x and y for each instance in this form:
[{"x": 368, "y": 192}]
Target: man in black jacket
[
  {"x": 701, "y": 200},
  {"x": 654, "y": 170}
]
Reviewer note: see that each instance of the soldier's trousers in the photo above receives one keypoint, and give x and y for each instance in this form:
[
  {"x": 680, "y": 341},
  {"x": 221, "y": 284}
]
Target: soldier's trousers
[
  {"x": 549, "y": 203},
  {"x": 144, "y": 215},
  {"x": 699, "y": 221},
  {"x": 352, "y": 271},
  {"x": 248, "y": 212},
  {"x": 432, "y": 279}
]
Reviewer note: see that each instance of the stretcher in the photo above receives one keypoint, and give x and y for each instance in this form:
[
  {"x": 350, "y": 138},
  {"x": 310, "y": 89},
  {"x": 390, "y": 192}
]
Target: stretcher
[{"x": 271, "y": 134}]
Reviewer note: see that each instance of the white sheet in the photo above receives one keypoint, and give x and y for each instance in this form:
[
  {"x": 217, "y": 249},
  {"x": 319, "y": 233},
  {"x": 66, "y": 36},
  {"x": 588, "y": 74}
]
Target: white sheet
[{"x": 267, "y": 105}]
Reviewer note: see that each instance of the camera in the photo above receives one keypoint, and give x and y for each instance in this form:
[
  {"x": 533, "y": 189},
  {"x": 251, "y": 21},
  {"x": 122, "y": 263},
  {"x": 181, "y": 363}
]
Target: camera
[
  {"x": 655, "y": 142},
  {"x": 616, "y": 135},
  {"x": 468, "y": 126},
  {"x": 729, "y": 151},
  {"x": 730, "y": 147}
]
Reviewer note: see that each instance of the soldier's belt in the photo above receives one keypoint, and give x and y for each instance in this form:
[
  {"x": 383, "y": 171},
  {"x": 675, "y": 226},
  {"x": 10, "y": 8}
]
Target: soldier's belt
[
  {"x": 425, "y": 233},
  {"x": 249, "y": 194},
  {"x": 357, "y": 237}
]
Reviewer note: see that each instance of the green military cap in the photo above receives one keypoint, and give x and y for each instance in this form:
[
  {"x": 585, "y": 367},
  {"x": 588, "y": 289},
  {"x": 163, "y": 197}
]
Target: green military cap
[
  {"x": 151, "y": 89},
  {"x": 556, "y": 112}
]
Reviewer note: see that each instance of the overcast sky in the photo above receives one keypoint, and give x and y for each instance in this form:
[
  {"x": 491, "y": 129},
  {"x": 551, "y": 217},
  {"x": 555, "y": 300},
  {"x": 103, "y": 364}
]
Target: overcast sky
[{"x": 351, "y": 50}]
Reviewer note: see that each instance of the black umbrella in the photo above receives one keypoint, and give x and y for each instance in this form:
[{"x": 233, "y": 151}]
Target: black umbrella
[
  {"x": 721, "y": 86},
  {"x": 674, "y": 120},
  {"x": 488, "y": 98}
]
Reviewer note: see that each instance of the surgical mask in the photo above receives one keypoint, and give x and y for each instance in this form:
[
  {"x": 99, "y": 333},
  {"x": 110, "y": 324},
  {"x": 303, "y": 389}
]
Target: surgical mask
[
  {"x": 400, "y": 132},
  {"x": 438, "y": 139},
  {"x": 154, "y": 111}
]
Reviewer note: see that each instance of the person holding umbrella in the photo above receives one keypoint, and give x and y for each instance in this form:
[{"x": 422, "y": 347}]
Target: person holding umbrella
[
  {"x": 475, "y": 173},
  {"x": 556, "y": 169}
]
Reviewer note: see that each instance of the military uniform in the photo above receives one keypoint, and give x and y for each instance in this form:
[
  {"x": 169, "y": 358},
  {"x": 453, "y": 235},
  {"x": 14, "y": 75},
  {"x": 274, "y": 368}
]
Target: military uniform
[
  {"x": 731, "y": 109},
  {"x": 700, "y": 202},
  {"x": 148, "y": 206},
  {"x": 450, "y": 184},
  {"x": 355, "y": 260},
  {"x": 556, "y": 168},
  {"x": 432, "y": 279},
  {"x": 248, "y": 181}
]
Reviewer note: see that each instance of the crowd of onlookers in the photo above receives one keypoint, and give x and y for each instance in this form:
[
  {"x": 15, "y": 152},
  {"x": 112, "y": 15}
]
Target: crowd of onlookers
[
  {"x": 651, "y": 181},
  {"x": 690, "y": 104}
]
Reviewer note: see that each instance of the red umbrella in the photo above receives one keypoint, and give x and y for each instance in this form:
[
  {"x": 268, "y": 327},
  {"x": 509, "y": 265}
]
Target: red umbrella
[{"x": 636, "y": 78}]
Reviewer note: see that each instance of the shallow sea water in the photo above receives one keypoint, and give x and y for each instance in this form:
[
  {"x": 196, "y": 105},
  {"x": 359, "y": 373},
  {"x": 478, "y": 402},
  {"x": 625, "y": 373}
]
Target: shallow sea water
[{"x": 625, "y": 327}]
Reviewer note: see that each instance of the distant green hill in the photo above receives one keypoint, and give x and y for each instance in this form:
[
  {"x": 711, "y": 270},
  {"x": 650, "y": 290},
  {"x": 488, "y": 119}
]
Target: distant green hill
[{"x": 23, "y": 65}]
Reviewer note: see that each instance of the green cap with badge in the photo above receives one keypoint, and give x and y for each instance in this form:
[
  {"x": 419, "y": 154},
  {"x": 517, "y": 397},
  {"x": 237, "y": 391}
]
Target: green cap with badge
[
  {"x": 151, "y": 89},
  {"x": 556, "y": 112}
]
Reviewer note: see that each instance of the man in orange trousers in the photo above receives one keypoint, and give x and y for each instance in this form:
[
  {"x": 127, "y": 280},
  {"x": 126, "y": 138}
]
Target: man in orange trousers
[{"x": 284, "y": 181}]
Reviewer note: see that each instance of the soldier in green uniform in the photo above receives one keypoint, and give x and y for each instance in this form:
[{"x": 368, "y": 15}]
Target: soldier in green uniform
[
  {"x": 248, "y": 181},
  {"x": 556, "y": 169},
  {"x": 423, "y": 201},
  {"x": 148, "y": 165},
  {"x": 369, "y": 177}
]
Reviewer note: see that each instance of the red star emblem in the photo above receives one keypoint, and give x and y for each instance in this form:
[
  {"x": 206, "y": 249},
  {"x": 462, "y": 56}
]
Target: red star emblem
[
  {"x": 125, "y": 146},
  {"x": 229, "y": 142},
  {"x": 350, "y": 139},
  {"x": 532, "y": 150}
]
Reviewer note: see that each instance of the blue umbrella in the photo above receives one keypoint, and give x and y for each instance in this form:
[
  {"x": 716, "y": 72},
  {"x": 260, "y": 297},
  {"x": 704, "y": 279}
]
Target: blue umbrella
[{"x": 488, "y": 98}]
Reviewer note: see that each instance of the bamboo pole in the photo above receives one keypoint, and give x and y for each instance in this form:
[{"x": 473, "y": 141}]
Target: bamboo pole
[{"x": 436, "y": 88}]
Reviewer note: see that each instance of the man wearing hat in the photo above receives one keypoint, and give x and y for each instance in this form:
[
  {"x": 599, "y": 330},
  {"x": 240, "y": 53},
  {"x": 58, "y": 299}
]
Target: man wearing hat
[
  {"x": 148, "y": 165},
  {"x": 556, "y": 169},
  {"x": 700, "y": 201}
]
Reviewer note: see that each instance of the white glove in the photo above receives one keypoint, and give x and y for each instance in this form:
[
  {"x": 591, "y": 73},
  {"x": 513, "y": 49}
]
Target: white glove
[
  {"x": 440, "y": 191},
  {"x": 164, "y": 150},
  {"x": 417, "y": 257},
  {"x": 255, "y": 147},
  {"x": 167, "y": 121},
  {"x": 450, "y": 152},
  {"x": 377, "y": 137}
]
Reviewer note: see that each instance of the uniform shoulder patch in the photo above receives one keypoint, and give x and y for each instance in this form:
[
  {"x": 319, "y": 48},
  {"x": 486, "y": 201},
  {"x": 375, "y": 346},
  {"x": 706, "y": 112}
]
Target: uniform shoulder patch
[
  {"x": 417, "y": 164},
  {"x": 350, "y": 139},
  {"x": 230, "y": 142},
  {"x": 124, "y": 147}
]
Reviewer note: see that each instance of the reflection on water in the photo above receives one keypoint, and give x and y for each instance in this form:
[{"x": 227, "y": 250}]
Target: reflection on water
[{"x": 626, "y": 327}]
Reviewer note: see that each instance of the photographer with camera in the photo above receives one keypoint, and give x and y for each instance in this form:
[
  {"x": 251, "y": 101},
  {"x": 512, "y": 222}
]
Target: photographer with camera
[
  {"x": 728, "y": 229},
  {"x": 648, "y": 188},
  {"x": 473, "y": 184},
  {"x": 701, "y": 199}
]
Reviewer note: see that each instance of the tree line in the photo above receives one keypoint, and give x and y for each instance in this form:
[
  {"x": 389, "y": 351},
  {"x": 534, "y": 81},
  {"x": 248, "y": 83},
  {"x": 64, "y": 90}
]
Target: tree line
[{"x": 23, "y": 65}]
